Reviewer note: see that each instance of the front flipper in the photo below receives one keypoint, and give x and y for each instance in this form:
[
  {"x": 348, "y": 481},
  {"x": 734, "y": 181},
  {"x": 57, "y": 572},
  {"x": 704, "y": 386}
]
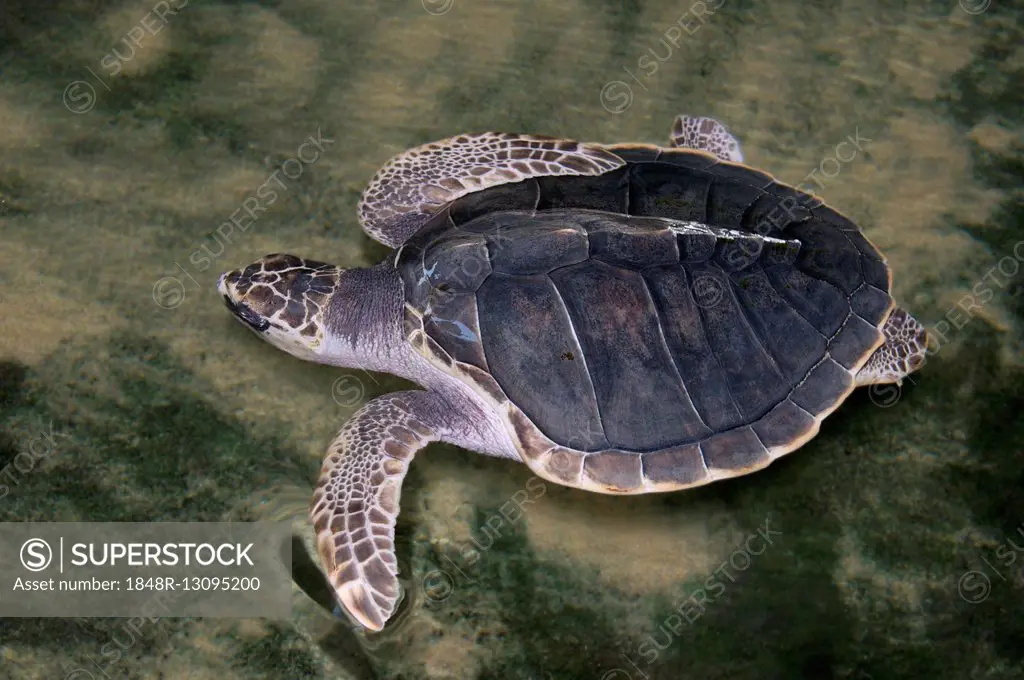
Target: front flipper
[
  {"x": 355, "y": 504},
  {"x": 706, "y": 134},
  {"x": 415, "y": 184}
]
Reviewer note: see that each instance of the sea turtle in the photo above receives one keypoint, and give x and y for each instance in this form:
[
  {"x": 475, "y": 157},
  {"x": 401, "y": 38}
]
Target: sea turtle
[{"x": 623, "y": 319}]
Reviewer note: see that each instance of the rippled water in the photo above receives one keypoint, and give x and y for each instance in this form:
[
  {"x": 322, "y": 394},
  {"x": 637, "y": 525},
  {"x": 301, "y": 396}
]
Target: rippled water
[{"x": 132, "y": 132}]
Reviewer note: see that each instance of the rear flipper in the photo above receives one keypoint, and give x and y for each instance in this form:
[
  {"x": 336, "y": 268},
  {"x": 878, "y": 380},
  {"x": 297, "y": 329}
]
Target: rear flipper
[
  {"x": 906, "y": 343},
  {"x": 706, "y": 134}
]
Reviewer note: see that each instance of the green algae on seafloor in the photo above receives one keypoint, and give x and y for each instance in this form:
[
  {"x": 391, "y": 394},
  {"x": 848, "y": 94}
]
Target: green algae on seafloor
[{"x": 146, "y": 442}]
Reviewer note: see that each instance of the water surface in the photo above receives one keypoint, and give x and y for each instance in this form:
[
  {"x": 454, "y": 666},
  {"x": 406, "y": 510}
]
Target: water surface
[{"x": 887, "y": 544}]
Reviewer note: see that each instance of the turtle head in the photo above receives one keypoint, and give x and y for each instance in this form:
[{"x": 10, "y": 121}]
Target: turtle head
[{"x": 284, "y": 300}]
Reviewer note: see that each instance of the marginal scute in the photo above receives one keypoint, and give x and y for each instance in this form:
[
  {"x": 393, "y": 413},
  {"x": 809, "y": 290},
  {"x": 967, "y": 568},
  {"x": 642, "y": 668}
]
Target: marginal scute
[
  {"x": 659, "y": 191},
  {"x": 871, "y": 304},
  {"x": 861, "y": 243},
  {"x": 533, "y": 443},
  {"x": 437, "y": 352},
  {"x": 564, "y": 466},
  {"x": 876, "y": 273},
  {"x": 413, "y": 320},
  {"x": 608, "y": 192},
  {"x": 437, "y": 226},
  {"x": 681, "y": 466},
  {"x": 734, "y": 451},
  {"x": 418, "y": 339},
  {"x": 742, "y": 174},
  {"x": 824, "y": 386},
  {"x": 855, "y": 342},
  {"x": 836, "y": 220},
  {"x": 689, "y": 158},
  {"x": 729, "y": 200},
  {"x": 636, "y": 153},
  {"x": 484, "y": 381},
  {"x": 784, "y": 425},
  {"x": 793, "y": 196},
  {"x": 614, "y": 470}
]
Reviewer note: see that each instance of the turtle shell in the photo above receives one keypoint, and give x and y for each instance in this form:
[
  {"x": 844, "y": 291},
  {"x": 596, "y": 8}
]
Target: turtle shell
[{"x": 674, "y": 321}]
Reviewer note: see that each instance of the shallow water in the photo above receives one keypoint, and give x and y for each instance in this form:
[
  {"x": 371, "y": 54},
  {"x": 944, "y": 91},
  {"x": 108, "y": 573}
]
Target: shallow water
[{"x": 894, "y": 534}]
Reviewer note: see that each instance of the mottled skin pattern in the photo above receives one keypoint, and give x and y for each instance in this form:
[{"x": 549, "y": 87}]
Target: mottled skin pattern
[
  {"x": 415, "y": 184},
  {"x": 902, "y": 354},
  {"x": 708, "y": 134},
  {"x": 355, "y": 505},
  {"x": 360, "y": 318},
  {"x": 289, "y": 294}
]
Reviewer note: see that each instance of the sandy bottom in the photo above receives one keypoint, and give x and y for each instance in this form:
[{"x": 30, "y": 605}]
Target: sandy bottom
[{"x": 110, "y": 198}]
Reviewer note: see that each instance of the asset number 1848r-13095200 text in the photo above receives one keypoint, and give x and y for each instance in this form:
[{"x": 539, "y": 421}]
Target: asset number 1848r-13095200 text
[{"x": 193, "y": 583}]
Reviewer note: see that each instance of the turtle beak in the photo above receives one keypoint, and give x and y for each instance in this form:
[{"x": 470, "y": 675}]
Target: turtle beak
[{"x": 227, "y": 287}]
